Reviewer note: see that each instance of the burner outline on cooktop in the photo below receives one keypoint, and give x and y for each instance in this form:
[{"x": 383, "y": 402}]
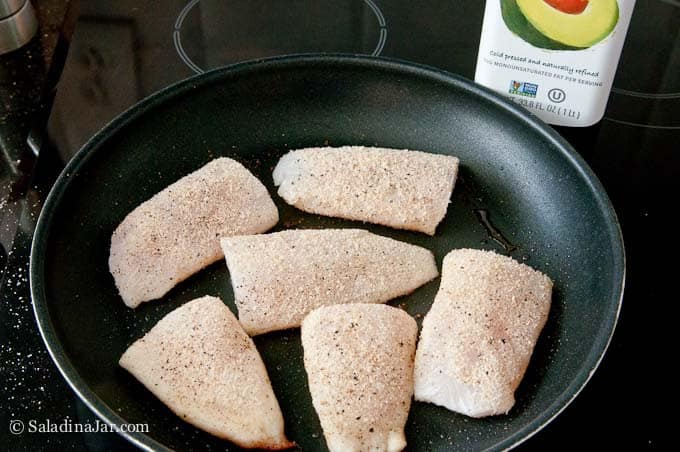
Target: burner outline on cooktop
[
  {"x": 177, "y": 33},
  {"x": 656, "y": 98},
  {"x": 647, "y": 95},
  {"x": 671, "y": 2},
  {"x": 628, "y": 92},
  {"x": 638, "y": 124}
]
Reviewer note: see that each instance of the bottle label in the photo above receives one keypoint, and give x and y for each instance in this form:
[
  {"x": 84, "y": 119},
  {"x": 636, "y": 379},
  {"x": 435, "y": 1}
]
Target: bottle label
[{"x": 556, "y": 58}]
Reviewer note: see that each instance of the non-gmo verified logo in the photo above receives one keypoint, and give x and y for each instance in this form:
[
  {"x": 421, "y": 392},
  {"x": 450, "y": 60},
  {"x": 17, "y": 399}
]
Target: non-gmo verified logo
[{"x": 523, "y": 88}]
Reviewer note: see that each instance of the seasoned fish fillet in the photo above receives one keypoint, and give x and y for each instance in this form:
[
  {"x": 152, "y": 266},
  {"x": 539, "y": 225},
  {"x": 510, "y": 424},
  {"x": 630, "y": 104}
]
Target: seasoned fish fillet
[
  {"x": 477, "y": 339},
  {"x": 176, "y": 233},
  {"x": 359, "y": 363},
  {"x": 397, "y": 188},
  {"x": 204, "y": 367},
  {"x": 278, "y": 278}
]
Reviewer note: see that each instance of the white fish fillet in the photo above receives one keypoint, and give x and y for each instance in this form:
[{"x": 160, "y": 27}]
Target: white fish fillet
[
  {"x": 478, "y": 337},
  {"x": 176, "y": 233},
  {"x": 359, "y": 363},
  {"x": 278, "y": 278},
  {"x": 204, "y": 367},
  {"x": 398, "y": 188}
]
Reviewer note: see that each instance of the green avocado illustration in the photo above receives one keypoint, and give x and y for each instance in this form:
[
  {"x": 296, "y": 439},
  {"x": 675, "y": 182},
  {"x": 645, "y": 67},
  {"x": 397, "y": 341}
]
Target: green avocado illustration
[{"x": 543, "y": 24}]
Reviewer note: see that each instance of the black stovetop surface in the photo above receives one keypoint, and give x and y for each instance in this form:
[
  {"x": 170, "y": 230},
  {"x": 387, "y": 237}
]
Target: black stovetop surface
[{"x": 123, "y": 51}]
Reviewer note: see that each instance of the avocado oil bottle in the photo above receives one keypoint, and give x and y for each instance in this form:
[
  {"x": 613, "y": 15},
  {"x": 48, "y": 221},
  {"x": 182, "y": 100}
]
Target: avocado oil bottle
[{"x": 557, "y": 58}]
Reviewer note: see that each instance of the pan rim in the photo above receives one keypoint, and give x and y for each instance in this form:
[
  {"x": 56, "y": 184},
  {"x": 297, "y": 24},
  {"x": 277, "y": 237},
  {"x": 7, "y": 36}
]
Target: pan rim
[{"x": 41, "y": 235}]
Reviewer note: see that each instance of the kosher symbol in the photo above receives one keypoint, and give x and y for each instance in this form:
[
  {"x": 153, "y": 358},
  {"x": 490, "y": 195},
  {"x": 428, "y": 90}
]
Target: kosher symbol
[{"x": 556, "y": 95}]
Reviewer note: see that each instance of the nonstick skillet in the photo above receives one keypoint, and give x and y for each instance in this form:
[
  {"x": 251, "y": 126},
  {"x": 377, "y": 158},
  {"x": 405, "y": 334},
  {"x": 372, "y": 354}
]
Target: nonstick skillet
[{"x": 522, "y": 191}]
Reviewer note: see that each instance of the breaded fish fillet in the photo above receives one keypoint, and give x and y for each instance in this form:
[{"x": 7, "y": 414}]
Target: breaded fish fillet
[
  {"x": 477, "y": 339},
  {"x": 176, "y": 233},
  {"x": 278, "y": 278},
  {"x": 359, "y": 363},
  {"x": 204, "y": 367},
  {"x": 397, "y": 188}
]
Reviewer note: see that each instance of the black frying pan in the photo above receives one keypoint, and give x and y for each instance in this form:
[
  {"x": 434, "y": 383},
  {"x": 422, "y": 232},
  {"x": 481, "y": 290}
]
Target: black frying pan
[{"x": 537, "y": 192}]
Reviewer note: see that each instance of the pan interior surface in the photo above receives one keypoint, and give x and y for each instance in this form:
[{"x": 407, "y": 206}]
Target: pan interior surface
[{"x": 536, "y": 191}]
